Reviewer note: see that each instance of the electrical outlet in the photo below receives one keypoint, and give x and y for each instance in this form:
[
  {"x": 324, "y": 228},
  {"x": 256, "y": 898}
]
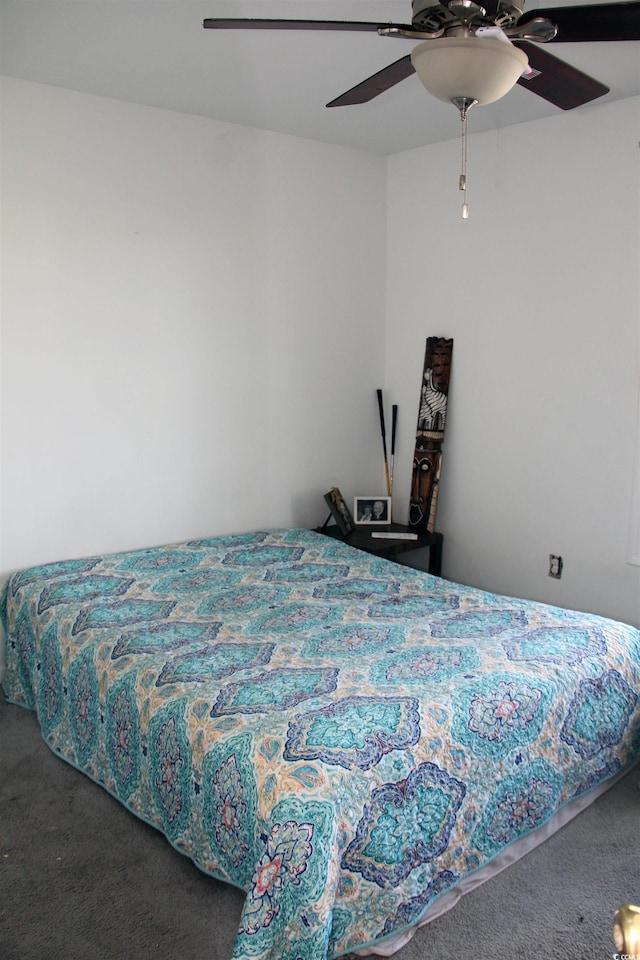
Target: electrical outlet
[{"x": 555, "y": 566}]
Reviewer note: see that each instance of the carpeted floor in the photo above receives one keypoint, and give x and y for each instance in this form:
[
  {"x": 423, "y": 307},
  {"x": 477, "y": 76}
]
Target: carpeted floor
[{"x": 83, "y": 879}]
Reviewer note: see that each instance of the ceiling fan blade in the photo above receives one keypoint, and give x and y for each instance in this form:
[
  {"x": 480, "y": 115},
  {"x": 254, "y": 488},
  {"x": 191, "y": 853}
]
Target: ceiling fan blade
[
  {"x": 376, "y": 84},
  {"x": 593, "y": 22},
  {"x": 228, "y": 23},
  {"x": 557, "y": 81}
]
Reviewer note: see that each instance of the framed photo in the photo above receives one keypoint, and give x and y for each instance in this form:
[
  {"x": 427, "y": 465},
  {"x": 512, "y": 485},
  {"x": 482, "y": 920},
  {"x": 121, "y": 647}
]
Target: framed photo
[
  {"x": 372, "y": 510},
  {"x": 339, "y": 511}
]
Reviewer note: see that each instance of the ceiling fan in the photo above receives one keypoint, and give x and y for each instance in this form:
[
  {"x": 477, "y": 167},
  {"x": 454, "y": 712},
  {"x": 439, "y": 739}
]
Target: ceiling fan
[
  {"x": 455, "y": 25},
  {"x": 470, "y": 54}
]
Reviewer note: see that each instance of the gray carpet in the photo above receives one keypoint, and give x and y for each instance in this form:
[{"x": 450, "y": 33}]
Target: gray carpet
[{"x": 83, "y": 879}]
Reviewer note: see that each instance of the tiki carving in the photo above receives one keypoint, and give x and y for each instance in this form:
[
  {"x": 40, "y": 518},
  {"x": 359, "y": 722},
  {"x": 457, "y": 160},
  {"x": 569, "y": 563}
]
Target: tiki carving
[{"x": 432, "y": 415}]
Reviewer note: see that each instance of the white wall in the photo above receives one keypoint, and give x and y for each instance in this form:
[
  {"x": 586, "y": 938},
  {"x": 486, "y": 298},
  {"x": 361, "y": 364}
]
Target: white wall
[
  {"x": 540, "y": 291},
  {"x": 192, "y": 325},
  {"x": 193, "y": 319}
]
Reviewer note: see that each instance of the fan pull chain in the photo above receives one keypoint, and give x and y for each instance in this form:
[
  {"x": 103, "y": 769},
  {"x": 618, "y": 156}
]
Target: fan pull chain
[
  {"x": 462, "y": 183},
  {"x": 464, "y": 104}
]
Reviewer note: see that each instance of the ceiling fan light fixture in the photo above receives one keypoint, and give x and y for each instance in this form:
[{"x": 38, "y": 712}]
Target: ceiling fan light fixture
[{"x": 483, "y": 69}]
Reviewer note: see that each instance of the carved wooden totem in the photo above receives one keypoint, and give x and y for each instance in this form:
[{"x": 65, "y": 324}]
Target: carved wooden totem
[{"x": 427, "y": 459}]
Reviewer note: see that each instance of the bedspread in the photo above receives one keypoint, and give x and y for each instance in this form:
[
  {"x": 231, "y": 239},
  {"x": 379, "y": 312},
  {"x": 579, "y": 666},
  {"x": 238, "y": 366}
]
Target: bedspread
[{"x": 341, "y": 737}]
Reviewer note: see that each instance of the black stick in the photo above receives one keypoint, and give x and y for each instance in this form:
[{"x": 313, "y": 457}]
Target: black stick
[
  {"x": 394, "y": 420},
  {"x": 384, "y": 442}
]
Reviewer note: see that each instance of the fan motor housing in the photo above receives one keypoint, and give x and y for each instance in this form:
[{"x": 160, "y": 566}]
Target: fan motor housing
[{"x": 436, "y": 16}]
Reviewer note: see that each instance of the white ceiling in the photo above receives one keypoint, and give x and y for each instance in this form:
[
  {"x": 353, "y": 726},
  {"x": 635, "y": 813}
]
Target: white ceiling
[{"x": 156, "y": 52}]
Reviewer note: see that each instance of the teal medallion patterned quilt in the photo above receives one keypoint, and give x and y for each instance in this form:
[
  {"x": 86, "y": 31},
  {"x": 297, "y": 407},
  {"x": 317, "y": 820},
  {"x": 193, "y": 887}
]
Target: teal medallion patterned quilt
[{"x": 341, "y": 737}]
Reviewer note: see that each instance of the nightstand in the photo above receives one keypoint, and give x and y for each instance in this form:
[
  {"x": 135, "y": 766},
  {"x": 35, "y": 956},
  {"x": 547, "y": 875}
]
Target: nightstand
[{"x": 361, "y": 538}]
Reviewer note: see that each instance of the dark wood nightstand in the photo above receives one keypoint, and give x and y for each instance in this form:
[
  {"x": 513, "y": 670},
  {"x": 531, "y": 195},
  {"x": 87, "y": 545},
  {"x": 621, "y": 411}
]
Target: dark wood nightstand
[{"x": 361, "y": 538}]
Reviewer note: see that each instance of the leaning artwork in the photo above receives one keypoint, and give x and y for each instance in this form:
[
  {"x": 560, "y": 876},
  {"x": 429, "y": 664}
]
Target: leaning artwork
[{"x": 427, "y": 458}]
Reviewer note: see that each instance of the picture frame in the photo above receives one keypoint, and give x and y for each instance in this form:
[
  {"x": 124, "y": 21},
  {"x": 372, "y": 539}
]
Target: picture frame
[
  {"x": 339, "y": 511},
  {"x": 372, "y": 511}
]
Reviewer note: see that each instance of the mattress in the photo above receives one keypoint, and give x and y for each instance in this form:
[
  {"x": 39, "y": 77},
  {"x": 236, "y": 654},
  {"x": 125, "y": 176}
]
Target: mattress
[{"x": 349, "y": 741}]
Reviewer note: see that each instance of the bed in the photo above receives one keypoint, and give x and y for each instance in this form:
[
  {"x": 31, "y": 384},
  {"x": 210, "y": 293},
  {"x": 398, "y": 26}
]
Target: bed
[{"x": 351, "y": 742}]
